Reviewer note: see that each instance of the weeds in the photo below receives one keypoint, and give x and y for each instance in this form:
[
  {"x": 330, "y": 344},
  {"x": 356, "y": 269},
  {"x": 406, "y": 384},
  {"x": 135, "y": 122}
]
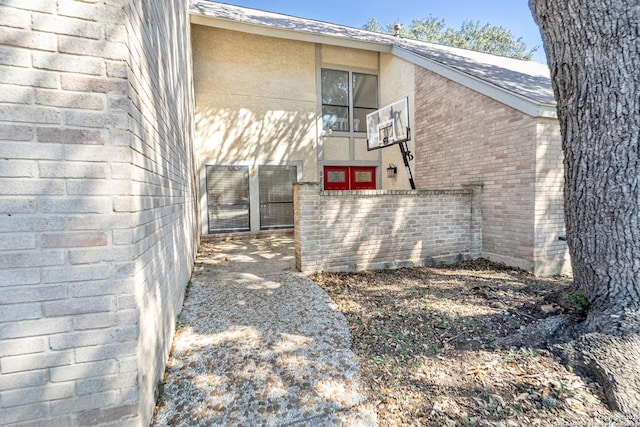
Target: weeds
[
  {"x": 579, "y": 302},
  {"x": 513, "y": 323},
  {"x": 159, "y": 394}
]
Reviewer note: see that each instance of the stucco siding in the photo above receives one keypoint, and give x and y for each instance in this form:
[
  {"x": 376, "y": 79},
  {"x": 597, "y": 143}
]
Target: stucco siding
[
  {"x": 397, "y": 80},
  {"x": 255, "y": 99},
  {"x": 465, "y": 137},
  {"x": 352, "y": 58}
]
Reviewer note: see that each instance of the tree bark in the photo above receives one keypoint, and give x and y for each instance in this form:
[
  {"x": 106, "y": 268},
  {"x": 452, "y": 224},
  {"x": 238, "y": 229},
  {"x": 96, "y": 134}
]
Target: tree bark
[{"x": 593, "y": 54}]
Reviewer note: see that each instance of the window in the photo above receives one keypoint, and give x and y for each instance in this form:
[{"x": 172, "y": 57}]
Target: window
[
  {"x": 345, "y": 106},
  {"x": 365, "y": 99},
  {"x": 246, "y": 198}
]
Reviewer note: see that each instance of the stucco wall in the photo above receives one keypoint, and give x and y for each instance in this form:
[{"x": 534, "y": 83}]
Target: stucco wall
[
  {"x": 356, "y": 230},
  {"x": 463, "y": 136},
  {"x": 346, "y": 57},
  {"x": 96, "y": 206},
  {"x": 397, "y": 81},
  {"x": 255, "y": 99}
]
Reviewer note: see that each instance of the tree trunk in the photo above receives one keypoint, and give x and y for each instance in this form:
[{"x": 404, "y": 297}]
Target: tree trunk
[{"x": 594, "y": 56}]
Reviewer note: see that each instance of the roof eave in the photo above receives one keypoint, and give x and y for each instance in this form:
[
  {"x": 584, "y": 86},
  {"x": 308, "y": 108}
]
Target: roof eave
[
  {"x": 289, "y": 34},
  {"x": 505, "y": 96}
]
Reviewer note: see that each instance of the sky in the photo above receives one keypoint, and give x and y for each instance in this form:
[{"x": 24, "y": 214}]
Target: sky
[{"x": 511, "y": 14}]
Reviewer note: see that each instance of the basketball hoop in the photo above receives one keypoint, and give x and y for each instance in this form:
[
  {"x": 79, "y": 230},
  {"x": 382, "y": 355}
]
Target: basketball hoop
[
  {"x": 384, "y": 131},
  {"x": 389, "y": 125}
]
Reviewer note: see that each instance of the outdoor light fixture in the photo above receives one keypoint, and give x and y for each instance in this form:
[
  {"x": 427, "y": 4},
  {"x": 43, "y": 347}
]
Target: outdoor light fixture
[{"x": 392, "y": 171}]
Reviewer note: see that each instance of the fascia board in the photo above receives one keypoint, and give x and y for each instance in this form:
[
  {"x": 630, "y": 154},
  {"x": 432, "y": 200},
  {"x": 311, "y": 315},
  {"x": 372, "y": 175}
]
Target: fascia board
[
  {"x": 283, "y": 33},
  {"x": 518, "y": 102}
]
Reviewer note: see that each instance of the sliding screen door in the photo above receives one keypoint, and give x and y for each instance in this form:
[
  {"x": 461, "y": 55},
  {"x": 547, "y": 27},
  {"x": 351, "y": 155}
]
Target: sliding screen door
[
  {"x": 228, "y": 198},
  {"x": 276, "y": 196}
]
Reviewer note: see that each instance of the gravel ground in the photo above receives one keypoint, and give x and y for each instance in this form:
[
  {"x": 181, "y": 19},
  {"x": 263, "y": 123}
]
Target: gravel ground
[
  {"x": 256, "y": 349},
  {"x": 259, "y": 344}
]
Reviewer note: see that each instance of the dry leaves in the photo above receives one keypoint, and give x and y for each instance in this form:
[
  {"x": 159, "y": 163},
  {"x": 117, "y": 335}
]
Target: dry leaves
[{"x": 423, "y": 337}]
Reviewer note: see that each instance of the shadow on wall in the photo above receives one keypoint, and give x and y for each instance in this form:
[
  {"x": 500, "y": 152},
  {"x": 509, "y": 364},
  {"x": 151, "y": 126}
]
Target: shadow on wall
[
  {"x": 108, "y": 230},
  {"x": 243, "y": 134},
  {"x": 354, "y": 232},
  {"x": 164, "y": 186}
]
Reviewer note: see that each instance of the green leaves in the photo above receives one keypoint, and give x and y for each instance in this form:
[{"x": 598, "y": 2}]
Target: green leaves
[{"x": 471, "y": 35}]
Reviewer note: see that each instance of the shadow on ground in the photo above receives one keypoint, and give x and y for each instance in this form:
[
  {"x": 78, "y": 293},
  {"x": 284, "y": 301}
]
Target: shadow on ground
[{"x": 260, "y": 344}]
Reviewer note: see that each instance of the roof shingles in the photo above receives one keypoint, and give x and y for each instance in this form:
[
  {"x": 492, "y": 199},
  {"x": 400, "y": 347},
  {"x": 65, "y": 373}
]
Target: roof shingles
[{"x": 527, "y": 79}]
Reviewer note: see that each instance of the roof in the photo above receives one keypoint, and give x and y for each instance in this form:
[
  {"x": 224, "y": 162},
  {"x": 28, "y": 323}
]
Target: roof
[{"x": 524, "y": 85}]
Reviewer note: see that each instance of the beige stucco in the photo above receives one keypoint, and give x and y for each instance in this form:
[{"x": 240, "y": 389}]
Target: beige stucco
[
  {"x": 350, "y": 58},
  {"x": 255, "y": 99},
  {"x": 258, "y": 102},
  {"x": 335, "y": 148},
  {"x": 269, "y": 112},
  {"x": 397, "y": 80},
  {"x": 361, "y": 153}
]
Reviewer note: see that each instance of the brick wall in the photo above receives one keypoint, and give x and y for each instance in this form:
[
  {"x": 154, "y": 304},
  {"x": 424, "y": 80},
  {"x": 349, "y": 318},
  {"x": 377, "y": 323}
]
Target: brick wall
[
  {"x": 380, "y": 229},
  {"x": 163, "y": 172},
  {"x": 465, "y": 137},
  {"x": 551, "y": 254},
  {"x": 96, "y": 205}
]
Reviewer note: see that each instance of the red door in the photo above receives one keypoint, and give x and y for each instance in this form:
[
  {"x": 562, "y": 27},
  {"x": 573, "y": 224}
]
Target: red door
[{"x": 349, "y": 177}]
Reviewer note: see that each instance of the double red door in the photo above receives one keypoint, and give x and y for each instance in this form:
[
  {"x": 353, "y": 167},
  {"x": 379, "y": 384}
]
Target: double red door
[{"x": 349, "y": 177}]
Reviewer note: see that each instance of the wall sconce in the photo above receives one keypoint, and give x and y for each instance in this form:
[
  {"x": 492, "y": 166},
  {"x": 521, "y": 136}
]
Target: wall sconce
[{"x": 392, "y": 171}]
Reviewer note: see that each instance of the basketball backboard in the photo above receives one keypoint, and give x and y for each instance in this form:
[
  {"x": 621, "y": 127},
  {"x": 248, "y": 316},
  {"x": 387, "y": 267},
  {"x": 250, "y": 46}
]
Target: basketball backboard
[{"x": 388, "y": 125}]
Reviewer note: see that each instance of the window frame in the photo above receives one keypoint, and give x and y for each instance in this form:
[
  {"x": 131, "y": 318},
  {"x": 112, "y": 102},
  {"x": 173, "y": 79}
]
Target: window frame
[{"x": 362, "y": 128}]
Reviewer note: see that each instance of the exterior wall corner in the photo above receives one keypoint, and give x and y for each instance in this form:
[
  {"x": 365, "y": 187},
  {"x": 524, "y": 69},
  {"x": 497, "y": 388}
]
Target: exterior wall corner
[{"x": 476, "y": 219}]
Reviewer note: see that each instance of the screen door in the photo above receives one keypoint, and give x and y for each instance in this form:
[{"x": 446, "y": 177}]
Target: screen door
[
  {"x": 228, "y": 198},
  {"x": 276, "y": 196}
]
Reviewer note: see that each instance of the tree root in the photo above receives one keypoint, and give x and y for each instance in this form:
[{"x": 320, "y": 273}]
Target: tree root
[
  {"x": 543, "y": 334},
  {"x": 614, "y": 361}
]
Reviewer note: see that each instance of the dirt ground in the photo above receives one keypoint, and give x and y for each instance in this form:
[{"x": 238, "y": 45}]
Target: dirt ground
[{"x": 424, "y": 338}]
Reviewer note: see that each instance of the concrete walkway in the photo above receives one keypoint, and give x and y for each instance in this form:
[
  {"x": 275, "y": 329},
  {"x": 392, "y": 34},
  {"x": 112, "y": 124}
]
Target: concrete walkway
[{"x": 260, "y": 345}]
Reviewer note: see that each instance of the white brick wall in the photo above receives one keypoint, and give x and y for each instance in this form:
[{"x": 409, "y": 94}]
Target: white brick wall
[
  {"x": 550, "y": 253},
  {"x": 97, "y": 226},
  {"x": 381, "y": 229}
]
